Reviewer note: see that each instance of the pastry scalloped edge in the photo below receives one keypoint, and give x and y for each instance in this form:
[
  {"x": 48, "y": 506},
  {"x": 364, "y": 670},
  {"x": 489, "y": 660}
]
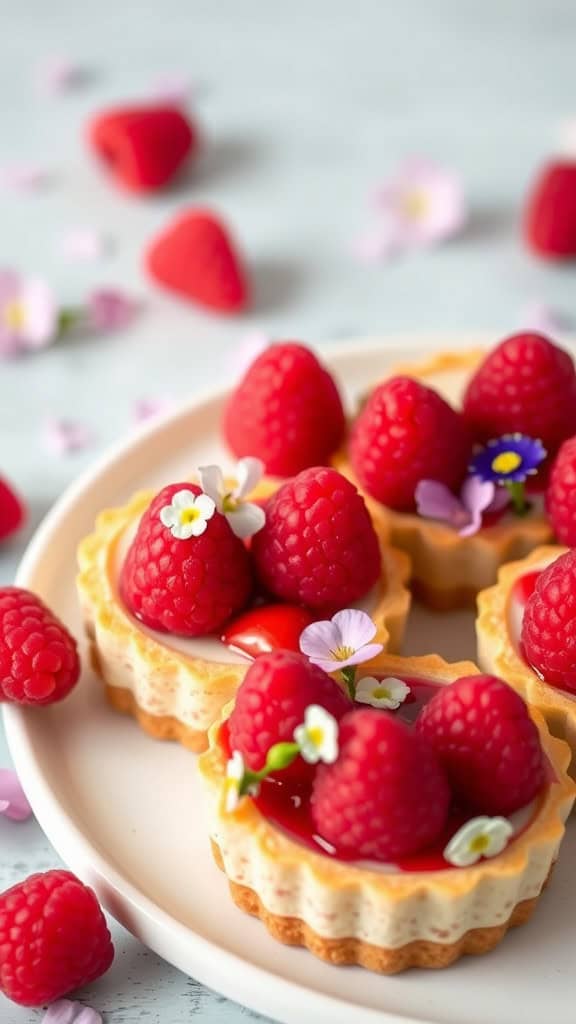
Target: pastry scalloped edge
[
  {"x": 432, "y": 546},
  {"x": 175, "y": 695},
  {"x": 339, "y": 901},
  {"x": 496, "y": 653}
]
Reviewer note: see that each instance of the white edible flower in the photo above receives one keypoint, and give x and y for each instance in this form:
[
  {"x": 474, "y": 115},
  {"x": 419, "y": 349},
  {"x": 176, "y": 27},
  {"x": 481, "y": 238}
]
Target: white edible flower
[
  {"x": 235, "y": 772},
  {"x": 187, "y": 515},
  {"x": 479, "y": 837},
  {"x": 317, "y": 736},
  {"x": 245, "y": 517},
  {"x": 387, "y": 693}
]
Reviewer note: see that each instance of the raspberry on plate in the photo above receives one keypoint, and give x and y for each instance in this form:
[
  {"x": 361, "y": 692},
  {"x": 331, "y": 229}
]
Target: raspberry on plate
[
  {"x": 548, "y": 638},
  {"x": 526, "y": 384},
  {"x": 39, "y": 661},
  {"x": 143, "y": 146},
  {"x": 406, "y": 433},
  {"x": 386, "y": 796},
  {"x": 286, "y": 411},
  {"x": 12, "y": 510},
  {"x": 185, "y": 571},
  {"x": 550, "y": 216},
  {"x": 271, "y": 702},
  {"x": 318, "y": 546},
  {"x": 561, "y": 494},
  {"x": 53, "y": 938},
  {"x": 483, "y": 736}
]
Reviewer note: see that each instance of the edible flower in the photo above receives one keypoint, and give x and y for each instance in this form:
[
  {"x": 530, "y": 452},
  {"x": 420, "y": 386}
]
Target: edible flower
[
  {"x": 508, "y": 461},
  {"x": 68, "y": 1011},
  {"x": 13, "y": 802},
  {"x": 479, "y": 837},
  {"x": 317, "y": 737},
  {"x": 340, "y": 643},
  {"x": 233, "y": 789},
  {"x": 387, "y": 693},
  {"x": 245, "y": 517},
  {"x": 188, "y": 514},
  {"x": 436, "y": 501},
  {"x": 29, "y": 316}
]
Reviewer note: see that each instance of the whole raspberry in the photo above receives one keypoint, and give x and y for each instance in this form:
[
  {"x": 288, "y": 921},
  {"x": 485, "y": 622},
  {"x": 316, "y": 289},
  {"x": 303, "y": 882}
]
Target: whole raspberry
[
  {"x": 526, "y": 384},
  {"x": 39, "y": 661},
  {"x": 12, "y": 510},
  {"x": 286, "y": 411},
  {"x": 190, "y": 586},
  {"x": 406, "y": 433},
  {"x": 486, "y": 742},
  {"x": 548, "y": 638},
  {"x": 561, "y": 494},
  {"x": 386, "y": 796},
  {"x": 53, "y": 938},
  {"x": 318, "y": 546},
  {"x": 271, "y": 702}
]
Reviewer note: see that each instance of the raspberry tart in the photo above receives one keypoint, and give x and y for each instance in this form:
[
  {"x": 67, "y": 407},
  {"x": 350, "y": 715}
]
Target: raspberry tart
[
  {"x": 451, "y": 455},
  {"x": 352, "y": 824},
  {"x": 180, "y": 590}
]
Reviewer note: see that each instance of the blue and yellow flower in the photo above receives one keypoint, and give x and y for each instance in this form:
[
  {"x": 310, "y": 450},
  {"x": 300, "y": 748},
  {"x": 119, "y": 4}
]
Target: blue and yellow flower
[{"x": 508, "y": 461}]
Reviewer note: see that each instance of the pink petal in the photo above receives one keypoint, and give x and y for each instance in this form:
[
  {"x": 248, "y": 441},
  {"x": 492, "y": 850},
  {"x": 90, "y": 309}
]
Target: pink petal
[
  {"x": 109, "y": 309},
  {"x": 66, "y": 1011},
  {"x": 378, "y": 243},
  {"x": 85, "y": 244},
  {"x": 319, "y": 639},
  {"x": 23, "y": 177},
  {"x": 435, "y": 501},
  {"x": 355, "y": 627},
  {"x": 40, "y": 313},
  {"x": 13, "y": 802},
  {"x": 63, "y": 436},
  {"x": 148, "y": 408},
  {"x": 444, "y": 207},
  {"x": 173, "y": 88},
  {"x": 58, "y": 74}
]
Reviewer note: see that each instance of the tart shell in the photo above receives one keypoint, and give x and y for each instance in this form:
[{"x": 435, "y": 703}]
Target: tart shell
[{"x": 385, "y": 921}]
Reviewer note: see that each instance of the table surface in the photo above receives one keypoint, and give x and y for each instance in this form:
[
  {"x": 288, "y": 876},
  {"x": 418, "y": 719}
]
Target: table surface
[{"x": 304, "y": 108}]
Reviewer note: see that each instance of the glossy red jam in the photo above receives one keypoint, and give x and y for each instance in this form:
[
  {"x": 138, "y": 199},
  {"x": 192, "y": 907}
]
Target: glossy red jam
[{"x": 267, "y": 628}]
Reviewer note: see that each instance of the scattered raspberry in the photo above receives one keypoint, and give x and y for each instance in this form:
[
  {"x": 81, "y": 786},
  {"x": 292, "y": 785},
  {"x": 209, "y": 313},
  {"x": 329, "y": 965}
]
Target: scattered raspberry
[
  {"x": 39, "y": 661},
  {"x": 271, "y": 703},
  {"x": 191, "y": 587},
  {"x": 526, "y": 384},
  {"x": 406, "y": 433},
  {"x": 487, "y": 743},
  {"x": 386, "y": 795},
  {"x": 561, "y": 494},
  {"x": 548, "y": 638},
  {"x": 196, "y": 257},
  {"x": 318, "y": 546},
  {"x": 143, "y": 146},
  {"x": 286, "y": 410},
  {"x": 53, "y": 938},
  {"x": 550, "y": 218},
  {"x": 12, "y": 510}
]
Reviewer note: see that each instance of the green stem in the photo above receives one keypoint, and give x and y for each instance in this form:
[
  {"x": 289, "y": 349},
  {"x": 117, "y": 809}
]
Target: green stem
[
  {"x": 518, "y": 495},
  {"x": 278, "y": 757},
  {"x": 68, "y": 318},
  {"x": 349, "y": 676}
]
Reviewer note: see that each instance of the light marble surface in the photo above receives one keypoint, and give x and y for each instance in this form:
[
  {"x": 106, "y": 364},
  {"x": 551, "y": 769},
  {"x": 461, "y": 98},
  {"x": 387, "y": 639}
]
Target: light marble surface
[{"x": 304, "y": 106}]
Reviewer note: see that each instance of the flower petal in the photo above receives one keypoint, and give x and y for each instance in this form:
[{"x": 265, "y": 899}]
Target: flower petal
[
  {"x": 66, "y": 1011},
  {"x": 65, "y": 437},
  {"x": 169, "y": 516},
  {"x": 85, "y": 244},
  {"x": 249, "y": 472},
  {"x": 319, "y": 639},
  {"x": 40, "y": 313},
  {"x": 109, "y": 309},
  {"x": 499, "y": 831},
  {"x": 184, "y": 499},
  {"x": 364, "y": 653},
  {"x": 246, "y": 520},
  {"x": 212, "y": 483},
  {"x": 435, "y": 501},
  {"x": 205, "y": 505},
  {"x": 12, "y": 796},
  {"x": 356, "y": 628}
]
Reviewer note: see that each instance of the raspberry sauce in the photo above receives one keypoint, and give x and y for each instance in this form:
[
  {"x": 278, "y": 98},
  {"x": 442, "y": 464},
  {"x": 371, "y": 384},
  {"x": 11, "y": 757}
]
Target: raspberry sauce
[
  {"x": 525, "y": 586},
  {"x": 287, "y": 804},
  {"x": 269, "y": 627}
]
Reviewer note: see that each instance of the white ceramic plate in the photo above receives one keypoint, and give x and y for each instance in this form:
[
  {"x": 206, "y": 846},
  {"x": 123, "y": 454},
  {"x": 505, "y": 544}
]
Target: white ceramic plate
[{"x": 125, "y": 811}]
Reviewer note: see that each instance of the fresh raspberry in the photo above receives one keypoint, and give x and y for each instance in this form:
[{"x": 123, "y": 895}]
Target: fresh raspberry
[
  {"x": 318, "y": 546},
  {"x": 525, "y": 384},
  {"x": 191, "y": 587},
  {"x": 286, "y": 410},
  {"x": 271, "y": 702},
  {"x": 53, "y": 938},
  {"x": 561, "y": 494},
  {"x": 196, "y": 257},
  {"x": 548, "y": 638},
  {"x": 386, "y": 796},
  {"x": 39, "y": 661},
  {"x": 406, "y": 433},
  {"x": 550, "y": 217},
  {"x": 12, "y": 510},
  {"x": 487, "y": 743},
  {"x": 143, "y": 146}
]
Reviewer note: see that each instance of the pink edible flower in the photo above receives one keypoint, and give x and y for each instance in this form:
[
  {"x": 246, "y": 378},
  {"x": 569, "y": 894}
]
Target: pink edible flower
[
  {"x": 109, "y": 309},
  {"x": 28, "y": 314}
]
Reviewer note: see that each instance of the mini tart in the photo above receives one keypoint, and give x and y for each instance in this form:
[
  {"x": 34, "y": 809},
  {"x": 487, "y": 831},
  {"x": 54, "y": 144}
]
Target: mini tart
[
  {"x": 349, "y": 913},
  {"x": 176, "y": 687},
  {"x": 498, "y": 648},
  {"x": 449, "y": 570}
]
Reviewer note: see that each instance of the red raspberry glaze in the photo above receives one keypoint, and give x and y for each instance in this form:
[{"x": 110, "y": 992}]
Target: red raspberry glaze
[
  {"x": 548, "y": 638},
  {"x": 561, "y": 494},
  {"x": 39, "y": 661},
  {"x": 487, "y": 743},
  {"x": 269, "y": 627},
  {"x": 271, "y": 702},
  {"x": 191, "y": 587},
  {"x": 406, "y": 433},
  {"x": 386, "y": 796},
  {"x": 525, "y": 384},
  {"x": 286, "y": 411},
  {"x": 53, "y": 938},
  {"x": 318, "y": 546}
]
